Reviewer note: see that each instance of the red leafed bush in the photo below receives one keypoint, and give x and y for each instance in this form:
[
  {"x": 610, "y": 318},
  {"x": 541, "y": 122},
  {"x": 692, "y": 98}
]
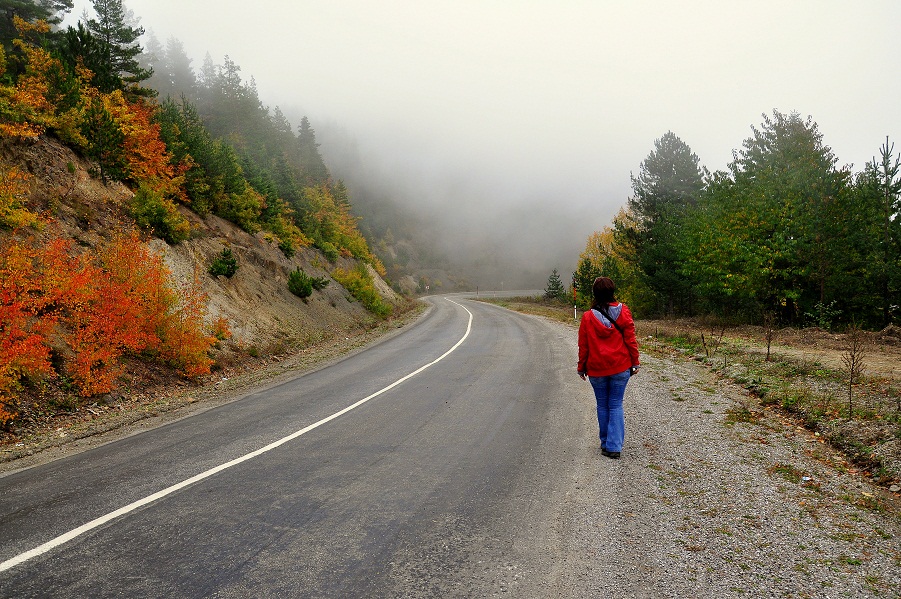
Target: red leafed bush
[
  {"x": 27, "y": 317},
  {"x": 106, "y": 313},
  {"x": 96, "y": 307},
  {"x": 132, "y": 307},
  {"x": 183, "y": 343}
]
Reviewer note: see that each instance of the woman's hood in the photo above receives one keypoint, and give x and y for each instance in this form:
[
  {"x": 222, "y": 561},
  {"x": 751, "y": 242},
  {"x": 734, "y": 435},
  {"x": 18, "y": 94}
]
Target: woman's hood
[{"x": 614, "y": 312}]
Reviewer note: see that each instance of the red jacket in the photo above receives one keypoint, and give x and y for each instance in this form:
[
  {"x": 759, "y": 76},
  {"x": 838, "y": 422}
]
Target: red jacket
[{"x": 602, "y": 348}]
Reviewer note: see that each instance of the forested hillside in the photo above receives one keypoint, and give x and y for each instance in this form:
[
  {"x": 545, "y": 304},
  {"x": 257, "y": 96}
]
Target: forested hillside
[
  {"x": 784, "y": 235},
  {"x": 281, "y": 163},
  {"x": 96, "y": 164}
]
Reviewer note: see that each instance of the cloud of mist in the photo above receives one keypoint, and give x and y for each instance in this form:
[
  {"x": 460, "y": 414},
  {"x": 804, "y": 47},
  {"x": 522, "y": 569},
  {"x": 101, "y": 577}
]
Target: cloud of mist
[
  {"x": 497, "y": 229},
  {"x": 512, "y": 126}
]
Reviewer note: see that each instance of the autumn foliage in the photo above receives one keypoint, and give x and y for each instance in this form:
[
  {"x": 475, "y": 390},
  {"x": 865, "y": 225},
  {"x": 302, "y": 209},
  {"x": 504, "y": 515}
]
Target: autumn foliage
[
  {"x": 76, "y": 315},
  {"x": 91, "y": 310},
  {"x": 27, "y": 319},
  {"x": 13, "y": 211},
  {"x": 254, "y": 171}
]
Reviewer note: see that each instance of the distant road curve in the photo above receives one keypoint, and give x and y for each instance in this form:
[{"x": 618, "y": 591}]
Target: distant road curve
[{"x": 434, "y": 463}]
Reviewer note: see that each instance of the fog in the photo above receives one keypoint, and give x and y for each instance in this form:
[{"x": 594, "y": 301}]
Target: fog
[{"x": 514, "y": 125}]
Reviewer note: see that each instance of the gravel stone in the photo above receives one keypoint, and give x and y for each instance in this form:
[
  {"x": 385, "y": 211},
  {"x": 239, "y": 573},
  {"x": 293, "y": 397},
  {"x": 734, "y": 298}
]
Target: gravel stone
[{"x": 700, "y": 505}]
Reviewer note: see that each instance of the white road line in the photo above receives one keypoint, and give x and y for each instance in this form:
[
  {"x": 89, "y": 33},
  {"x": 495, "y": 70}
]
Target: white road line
[{"x": 66, "y": 537}]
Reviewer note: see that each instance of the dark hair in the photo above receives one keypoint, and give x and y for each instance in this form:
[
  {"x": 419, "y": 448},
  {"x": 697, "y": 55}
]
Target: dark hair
[{"x": 603, "y": 290}]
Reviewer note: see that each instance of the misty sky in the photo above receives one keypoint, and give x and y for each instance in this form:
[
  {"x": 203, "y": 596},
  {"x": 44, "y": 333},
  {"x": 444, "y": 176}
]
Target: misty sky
[{"x": 484, "y": 107}]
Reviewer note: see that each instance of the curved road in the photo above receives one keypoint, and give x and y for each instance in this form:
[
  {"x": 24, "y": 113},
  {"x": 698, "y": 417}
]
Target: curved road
[{"x": 449, "y": 483}]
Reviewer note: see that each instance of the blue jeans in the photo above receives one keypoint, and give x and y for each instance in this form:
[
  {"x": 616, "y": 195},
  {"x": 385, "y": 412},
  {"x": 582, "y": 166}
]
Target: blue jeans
[{"x": 609, "y": 392}]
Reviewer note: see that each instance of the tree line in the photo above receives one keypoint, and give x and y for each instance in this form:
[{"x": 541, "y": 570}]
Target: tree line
[
  {"x": 146, "y": 119},
  {"x": 782, "y": 234},
  {"x": 73, "y": 312}
]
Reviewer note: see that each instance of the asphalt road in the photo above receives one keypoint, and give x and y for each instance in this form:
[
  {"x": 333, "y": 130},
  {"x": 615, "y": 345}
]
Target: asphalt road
[{"x": 451, "y": 483}]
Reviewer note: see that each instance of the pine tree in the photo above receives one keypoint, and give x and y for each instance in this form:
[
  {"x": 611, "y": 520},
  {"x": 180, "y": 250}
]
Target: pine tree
[
  {"x": 50, "y": 11},
  {"x": 120, "y": 43},
  {"x": 669, "y": 182},
  {"x": 555, "y": 288},
  {"x": 105, "y": 142},
  {"x": 313, "y": 168},
  {"x": 79, "y": 46},
  {"x": 178, "y": 65},
  {"x": 172, "y": 73}
]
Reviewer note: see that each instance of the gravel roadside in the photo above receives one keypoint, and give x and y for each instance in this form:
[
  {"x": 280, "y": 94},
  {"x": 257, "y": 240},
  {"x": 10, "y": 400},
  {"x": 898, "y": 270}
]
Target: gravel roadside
[
  {"x": 147, "y": 410},
  {"x": 705, "y": 502},
  {"x": 711, "y": 501}
]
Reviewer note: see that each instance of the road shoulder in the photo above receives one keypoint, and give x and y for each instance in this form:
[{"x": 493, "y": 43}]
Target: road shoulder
[
  {"x": 707, "y": 501},
  {"x": 98, "y": 425}
]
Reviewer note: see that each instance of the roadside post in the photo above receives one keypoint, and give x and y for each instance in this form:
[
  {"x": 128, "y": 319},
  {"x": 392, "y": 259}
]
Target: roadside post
[{"x": 575, "y": 313}]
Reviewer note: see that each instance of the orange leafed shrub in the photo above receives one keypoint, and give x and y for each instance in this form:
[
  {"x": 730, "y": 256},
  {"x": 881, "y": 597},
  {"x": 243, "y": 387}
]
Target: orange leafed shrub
[
  {"x": 25, "y": 107},
  {"x": 109, "y": 312},
  {"x": 98, "y": 307},
  {"x": 25, "y": 321},
  {"x": 183, "y": 343},
  {"x": 130, "y": 262},
  {"x": 13, "y": 213},
  {"x": 220, "y": 329},
  {"x": 148, "y": 160},
  {"x": 134, "y": 307},
  {"x": 102, "y": 324}
]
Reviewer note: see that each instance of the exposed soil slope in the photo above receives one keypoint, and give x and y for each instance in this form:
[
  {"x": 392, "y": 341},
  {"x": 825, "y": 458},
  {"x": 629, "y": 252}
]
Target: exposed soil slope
[{"x": 265, "y": 318}]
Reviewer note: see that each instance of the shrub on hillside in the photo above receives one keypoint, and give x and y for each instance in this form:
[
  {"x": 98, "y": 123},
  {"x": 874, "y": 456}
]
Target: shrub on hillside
[
  {"x": 155, "y": 213},
  {"x": 360, "y": 285},
  {"x": 329, "y": 250},
  {"x": 299, "y": 284},
  {"x": 241, "y": 208},
  {"x": 94, "y": 309},
  {"x": 224, "y": 264},
  {"x": 13, "y": 212},
  {"x": 302, "y": 285},
  {"x": 27, "y": 318},
  {"x": 184, "y": 344}
]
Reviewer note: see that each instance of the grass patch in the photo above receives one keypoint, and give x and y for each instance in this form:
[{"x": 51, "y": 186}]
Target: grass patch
[
  {"x": 811, "y": 392},
  {"x": 786, "y": 471},
  {"x": 537, "y": 306},
  {"x": 814, "y": 394},
  {"x": 741, "y": 413}
]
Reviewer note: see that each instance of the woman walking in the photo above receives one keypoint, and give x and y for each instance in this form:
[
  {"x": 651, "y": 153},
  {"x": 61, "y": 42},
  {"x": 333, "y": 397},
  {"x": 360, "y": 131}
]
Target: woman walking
[{"x": 608, "y": 356}]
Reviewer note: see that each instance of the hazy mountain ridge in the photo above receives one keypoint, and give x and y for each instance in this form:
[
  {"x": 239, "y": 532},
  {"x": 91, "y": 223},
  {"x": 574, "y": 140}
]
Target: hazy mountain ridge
[
  {"x": 264, "y": 317},
  {"x": 256, "y": 299}
]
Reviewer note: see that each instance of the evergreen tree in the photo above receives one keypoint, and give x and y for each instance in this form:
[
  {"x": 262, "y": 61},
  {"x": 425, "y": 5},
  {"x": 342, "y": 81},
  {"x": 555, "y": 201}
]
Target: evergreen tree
[
  {"x": 761, "y": 238},
  {"x": 669, "y": 183},
  {"x": 207, "y": 76},
  {"x": 152, "y": 59},
  {"x": 885, "y": 177},
  {"x": 51, "y": 11},
  {"x": 583, "y": 277},
  {"x": 178, "y": 69},
  {"x": 105, "y": 142},
  {"x": 172, "y": 74},
  {"x": 79, "y": 46},
  {"x": 313, "y": 169},
  {"x": 856, "y": 263},
  {"x": 790, "y": 175},
  {"x": 555, "y": 288},
  {"x": 120, "y": 44},
  {"x": 281, "y": 124}
]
